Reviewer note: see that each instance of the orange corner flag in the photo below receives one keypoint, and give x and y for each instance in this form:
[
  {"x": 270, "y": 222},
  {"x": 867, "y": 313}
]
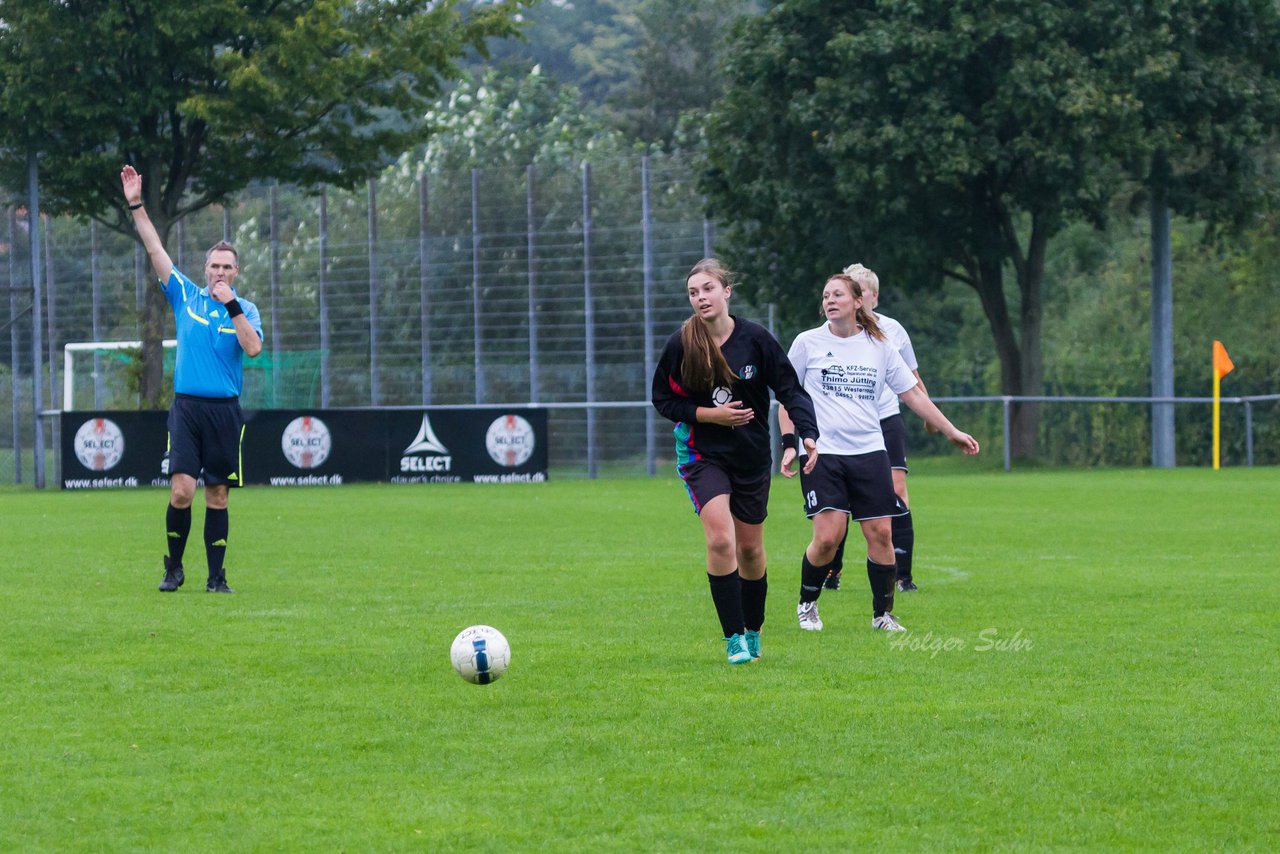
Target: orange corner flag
[{"x": 1221, "y": 361}]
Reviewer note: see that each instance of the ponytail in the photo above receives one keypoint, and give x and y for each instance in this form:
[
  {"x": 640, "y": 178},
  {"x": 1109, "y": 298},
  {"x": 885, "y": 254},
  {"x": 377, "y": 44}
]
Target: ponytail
[{"x": 868, "y": 321}]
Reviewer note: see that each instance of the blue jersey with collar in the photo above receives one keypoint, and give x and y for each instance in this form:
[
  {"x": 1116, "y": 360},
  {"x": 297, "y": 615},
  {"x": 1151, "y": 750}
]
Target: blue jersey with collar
[{"x": 208, "y": 363}]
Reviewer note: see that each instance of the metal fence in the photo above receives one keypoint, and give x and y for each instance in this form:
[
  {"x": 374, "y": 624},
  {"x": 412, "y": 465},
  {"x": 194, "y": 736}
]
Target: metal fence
[{"x": 554, "y": 285}]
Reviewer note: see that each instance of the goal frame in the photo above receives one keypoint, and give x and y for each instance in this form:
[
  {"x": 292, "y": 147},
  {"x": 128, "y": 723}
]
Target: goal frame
[{"x": 68, "y": 363}]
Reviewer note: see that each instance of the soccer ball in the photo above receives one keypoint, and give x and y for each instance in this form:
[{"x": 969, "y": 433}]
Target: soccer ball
[{"x": 480, "y": 654}]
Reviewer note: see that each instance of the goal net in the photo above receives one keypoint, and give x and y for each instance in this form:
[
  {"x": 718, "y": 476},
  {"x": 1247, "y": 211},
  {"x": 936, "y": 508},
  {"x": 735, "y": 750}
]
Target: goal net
[{"x": 107, "y": 375}]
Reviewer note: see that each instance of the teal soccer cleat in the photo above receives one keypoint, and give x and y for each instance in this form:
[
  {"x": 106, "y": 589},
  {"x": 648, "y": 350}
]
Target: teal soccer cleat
[{"x": 736, "y": 645}]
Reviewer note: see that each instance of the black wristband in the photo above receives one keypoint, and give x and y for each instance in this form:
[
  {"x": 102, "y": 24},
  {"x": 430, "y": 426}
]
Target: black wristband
[
  {"x": 789, "y": 441},
  {"x": 233, "y": 309},
  {"x": 135, "y": 207}
]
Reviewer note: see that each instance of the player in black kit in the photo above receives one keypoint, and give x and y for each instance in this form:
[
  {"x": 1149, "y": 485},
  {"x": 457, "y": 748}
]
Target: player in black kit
[{"x": 713, "y": 381}]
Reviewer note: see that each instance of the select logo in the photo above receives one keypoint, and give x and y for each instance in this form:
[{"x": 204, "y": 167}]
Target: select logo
[
  {"x": 99, "y": 444},
  {"x": 306, "y": 442},
  {"x": 510, "y": 441},
  {"x": 426, "y": 453}
]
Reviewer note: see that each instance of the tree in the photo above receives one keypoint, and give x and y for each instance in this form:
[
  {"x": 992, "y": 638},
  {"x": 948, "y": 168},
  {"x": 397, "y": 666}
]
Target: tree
[
  {"x": 1201, "y": 83},
  {"x": 498, "y": 120},
  {"x": 677, "y": 65},
  {"x": 926, "y": 138},
  {"x": 939, "y": 140},
  {"x": 586, "y": 44},
  {"x": 1204, "y": 81},
  {"x": 206, "y": 98},
  {"x": 644, "y": 63}
]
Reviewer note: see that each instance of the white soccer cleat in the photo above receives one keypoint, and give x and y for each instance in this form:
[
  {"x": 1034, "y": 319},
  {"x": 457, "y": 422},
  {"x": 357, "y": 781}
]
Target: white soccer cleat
[
  {"x": 807, "y": 612},
  {"x": 888, "y": 623}
]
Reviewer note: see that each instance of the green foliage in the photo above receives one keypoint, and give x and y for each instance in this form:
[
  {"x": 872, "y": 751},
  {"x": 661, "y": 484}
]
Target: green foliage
[
  {"x": 938, "y": 139},
  {"x": 925, "y": 139},
  {"x": 134, "y": 370},
  {"x": 1199, "y": 86},
  {"x": 644, "y": 66},
  {"x": 497, "y": 125},
  {"x": 498, "y": 120},
  {"x": 1098, "y": 343},
  {"x": 677, "y": 66},
  {"x": 205, "y": 98}
]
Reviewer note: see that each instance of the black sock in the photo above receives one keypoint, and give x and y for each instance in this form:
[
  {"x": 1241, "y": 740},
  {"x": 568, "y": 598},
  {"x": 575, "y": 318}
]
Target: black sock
[
  {"x": 904, "y": 543},
  {"x": 811, "y": 578},
  {"x": 754, "y": 592},
  {"x": 177, "y": 526},
  {"x": 216, "y": 525},
  {"x": 837, "y": 563},
  {"x": 726, "y": 593},
  {"x": 881, "y": 577}
]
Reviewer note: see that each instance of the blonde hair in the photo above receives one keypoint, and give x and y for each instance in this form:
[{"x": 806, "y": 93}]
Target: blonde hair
[
  {"x": 863, "y": 276},
  {"x": 866, "y": 319},
  {"x": 703, "y": 367}
]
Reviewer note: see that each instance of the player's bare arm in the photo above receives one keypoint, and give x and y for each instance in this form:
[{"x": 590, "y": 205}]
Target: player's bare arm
[
  {"x": 131, "y": 182},
  {"x": 924, "y": 407},
  {"x": 735, "y": 413},
  {"x": 920, "y": 382},
  {"x": 785, "y": 426},
  {"x": 920, "y": 385}
]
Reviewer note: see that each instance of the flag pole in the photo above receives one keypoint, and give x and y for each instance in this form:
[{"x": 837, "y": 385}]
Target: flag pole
[
  {"x": 1217, "y": 387},
  {"x": 1221, "y": 367}
]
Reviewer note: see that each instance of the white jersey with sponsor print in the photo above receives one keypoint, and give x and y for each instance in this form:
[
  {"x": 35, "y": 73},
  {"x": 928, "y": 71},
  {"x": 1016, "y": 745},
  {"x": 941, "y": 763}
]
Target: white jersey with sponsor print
[
  {"x": 845, "y": 377},
  {"x": 901, "y": 342}
]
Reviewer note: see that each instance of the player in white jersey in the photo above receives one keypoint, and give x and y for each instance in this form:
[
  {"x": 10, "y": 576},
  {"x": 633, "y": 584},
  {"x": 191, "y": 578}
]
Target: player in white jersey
[
  {"x": 845, "y": 364},
  {"x": 895, "y": 435}
]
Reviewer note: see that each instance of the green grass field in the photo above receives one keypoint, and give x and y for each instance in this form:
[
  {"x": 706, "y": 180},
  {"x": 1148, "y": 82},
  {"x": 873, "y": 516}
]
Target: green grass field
[{"x": 1092, "y": 665}]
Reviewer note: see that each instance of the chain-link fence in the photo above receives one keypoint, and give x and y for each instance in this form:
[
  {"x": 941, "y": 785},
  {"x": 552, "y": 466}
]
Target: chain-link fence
[
  {"x": 555, "y": 285},
  {"x": 549, "y": 285}
]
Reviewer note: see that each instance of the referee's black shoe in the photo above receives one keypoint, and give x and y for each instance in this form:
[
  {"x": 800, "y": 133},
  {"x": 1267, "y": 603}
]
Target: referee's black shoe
[
  {"x": 832, "y": 581},
  {"x": 906, "y": 585},
  {"x": 173, "y": 576},
  {"x": 218, "y": 585}
]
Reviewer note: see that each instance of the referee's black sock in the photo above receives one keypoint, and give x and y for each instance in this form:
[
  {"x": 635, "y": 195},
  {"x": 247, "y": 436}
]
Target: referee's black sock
[
  {"x": 216, "y": 525},
  {"x": 177, "y": 526},
  {"x": 881, "y": 577},
  {"x": 754, "y": 591},
  {"x": 811, "y": 578},
  {"x": 726, "y": 593},
  {"x": 904, "y": 543}
]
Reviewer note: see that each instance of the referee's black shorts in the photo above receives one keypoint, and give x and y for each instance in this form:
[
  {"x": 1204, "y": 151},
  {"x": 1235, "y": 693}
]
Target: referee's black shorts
[{"x": 205, "y": 434}]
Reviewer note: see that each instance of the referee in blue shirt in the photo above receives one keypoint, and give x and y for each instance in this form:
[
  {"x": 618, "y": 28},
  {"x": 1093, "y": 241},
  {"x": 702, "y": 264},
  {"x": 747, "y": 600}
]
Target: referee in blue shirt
[{"x": 215, "y": 328}]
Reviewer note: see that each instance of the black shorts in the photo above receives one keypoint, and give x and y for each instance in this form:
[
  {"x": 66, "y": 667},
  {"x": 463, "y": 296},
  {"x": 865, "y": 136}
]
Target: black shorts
[
  {"x": 860, "y": 485},
  {"x": 895, "y": 440},
  {"x": 748, "y": 493},
  {"x": 204, "y": 439}
]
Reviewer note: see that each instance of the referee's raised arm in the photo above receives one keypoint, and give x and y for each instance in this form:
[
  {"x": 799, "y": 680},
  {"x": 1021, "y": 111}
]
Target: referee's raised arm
[{"x": 131, "y": 181}]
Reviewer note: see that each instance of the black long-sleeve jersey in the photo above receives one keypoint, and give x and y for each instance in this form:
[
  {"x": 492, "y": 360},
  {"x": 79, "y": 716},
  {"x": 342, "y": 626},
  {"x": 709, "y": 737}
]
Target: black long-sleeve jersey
[{"x": 759, "y": 364}]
